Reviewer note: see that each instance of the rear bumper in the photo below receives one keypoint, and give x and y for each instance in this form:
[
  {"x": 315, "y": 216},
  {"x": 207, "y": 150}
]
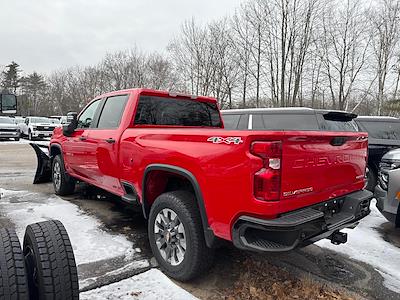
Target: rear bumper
[{"x": 301, "y": 227}]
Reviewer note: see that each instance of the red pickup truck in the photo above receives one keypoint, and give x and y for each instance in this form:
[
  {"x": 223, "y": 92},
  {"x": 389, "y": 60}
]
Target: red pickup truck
[{"x": 198, "y": 184}]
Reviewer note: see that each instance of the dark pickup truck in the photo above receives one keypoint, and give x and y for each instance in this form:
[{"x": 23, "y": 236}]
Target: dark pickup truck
[{"x": 383, "y": 136}]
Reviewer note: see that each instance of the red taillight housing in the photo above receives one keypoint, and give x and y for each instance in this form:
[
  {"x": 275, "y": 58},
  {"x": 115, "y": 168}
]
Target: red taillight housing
[{"x": 267, "y": 181}]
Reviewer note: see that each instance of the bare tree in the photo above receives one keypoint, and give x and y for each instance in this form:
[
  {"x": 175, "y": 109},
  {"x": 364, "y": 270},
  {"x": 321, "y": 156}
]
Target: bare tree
[
  {"x": 345, "y": 41},
  {"x": 385, "y": 22}
]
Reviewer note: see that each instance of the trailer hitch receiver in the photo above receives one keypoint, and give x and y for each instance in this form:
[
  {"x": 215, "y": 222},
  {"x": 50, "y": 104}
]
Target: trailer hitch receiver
[{"x": 338, "y": 238}]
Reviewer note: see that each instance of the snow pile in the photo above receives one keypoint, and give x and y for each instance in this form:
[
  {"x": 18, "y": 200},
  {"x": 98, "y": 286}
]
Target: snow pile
[
  {"x": 150, "y": 285},
  {"x": 366, "y": 244},
  {"x": 89, "y": 241}
]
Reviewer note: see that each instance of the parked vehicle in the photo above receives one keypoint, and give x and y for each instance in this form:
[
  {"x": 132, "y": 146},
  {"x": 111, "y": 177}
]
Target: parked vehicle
[
  {"x": 37, "y": 127},
  {"x": 63, "y": 119},
  {"x": 289, "y": 118},
  {"x": 198, "y": 183},
  {"x": 8, "y": 129},
  {"x": 383, "y": 136},
  {"x": 387, "y": 191},
  {"x": 18, "y": 120},
  {"x": 8, "y": 104}
]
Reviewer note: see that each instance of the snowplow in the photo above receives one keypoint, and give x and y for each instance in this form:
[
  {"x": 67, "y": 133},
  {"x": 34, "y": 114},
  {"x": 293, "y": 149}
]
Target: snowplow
[{"x": 43, "y": 169}]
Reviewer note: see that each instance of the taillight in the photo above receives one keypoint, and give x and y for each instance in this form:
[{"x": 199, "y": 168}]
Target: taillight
[{"x": 267, "y": 181}]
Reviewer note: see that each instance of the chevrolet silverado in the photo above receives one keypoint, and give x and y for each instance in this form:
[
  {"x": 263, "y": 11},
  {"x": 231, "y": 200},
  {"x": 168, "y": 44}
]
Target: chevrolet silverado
[{"x": 198, "y": 184}]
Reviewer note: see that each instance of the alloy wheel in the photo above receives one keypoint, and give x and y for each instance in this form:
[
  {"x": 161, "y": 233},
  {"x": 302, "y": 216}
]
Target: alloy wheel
[{"x": 170, "y": 236}]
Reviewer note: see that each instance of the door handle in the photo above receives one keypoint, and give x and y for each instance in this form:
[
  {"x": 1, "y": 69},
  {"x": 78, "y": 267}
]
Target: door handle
[
  {"x": 110, "y": 141},
  {"x": 83, "y": 138}
]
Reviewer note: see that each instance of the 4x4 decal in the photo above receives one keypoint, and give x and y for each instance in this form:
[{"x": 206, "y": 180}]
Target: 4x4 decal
[{"x": 228, "y": 140}]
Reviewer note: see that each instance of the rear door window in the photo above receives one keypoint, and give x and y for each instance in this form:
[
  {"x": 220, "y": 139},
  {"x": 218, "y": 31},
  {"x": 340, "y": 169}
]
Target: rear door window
[
  {"x": 382, "y": 130},
  {"x": 153, "y": 110},
  {"x": 285, "y": 122},
  {"x": 112, "y": 112}
]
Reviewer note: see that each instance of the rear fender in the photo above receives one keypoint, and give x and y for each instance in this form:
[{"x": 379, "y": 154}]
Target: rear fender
[{"x": 211, "y": 239}]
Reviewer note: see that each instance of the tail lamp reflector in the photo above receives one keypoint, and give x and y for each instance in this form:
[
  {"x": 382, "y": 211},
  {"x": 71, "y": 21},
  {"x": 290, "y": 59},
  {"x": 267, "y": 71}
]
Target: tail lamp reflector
[{"x": 267, "y": 181}]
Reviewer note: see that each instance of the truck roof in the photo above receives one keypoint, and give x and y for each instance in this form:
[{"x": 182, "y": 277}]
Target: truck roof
[
  {"x": 158, "y": 93},
  {"x": 377, "y": 118}
]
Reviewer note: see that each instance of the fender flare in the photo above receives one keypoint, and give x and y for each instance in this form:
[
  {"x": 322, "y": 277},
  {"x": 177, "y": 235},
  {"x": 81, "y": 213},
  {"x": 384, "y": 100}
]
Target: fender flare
[
  {"x": 55, "y": 146},
  {"x": 210, "y": 238}
]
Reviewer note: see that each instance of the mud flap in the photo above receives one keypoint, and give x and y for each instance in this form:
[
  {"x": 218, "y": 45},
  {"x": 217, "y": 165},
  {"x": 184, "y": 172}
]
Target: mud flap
[{"x": 43, "y": 170}]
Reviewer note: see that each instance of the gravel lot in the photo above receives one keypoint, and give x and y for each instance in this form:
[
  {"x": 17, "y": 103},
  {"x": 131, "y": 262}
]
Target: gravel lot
[{"x": 110, "y": 244}]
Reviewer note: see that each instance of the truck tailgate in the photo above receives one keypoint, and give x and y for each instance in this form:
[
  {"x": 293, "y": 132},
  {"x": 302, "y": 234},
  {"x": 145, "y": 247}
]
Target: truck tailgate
[{"x": 319, "y": 166}]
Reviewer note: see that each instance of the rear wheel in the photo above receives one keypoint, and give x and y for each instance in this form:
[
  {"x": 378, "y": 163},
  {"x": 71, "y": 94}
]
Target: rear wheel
[
  {"x": 13, "y": 280},
  {"x": 176, "y": 236},
  {"x": 17, "y": 139},
  {"x": 63, "y": 183},
  {"x": 50, "y": 262}
]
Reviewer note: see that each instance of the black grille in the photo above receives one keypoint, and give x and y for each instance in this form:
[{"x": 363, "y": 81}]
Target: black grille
[
  {"x": 45, "y": 128},
  {"x": 8, "y": 129}
]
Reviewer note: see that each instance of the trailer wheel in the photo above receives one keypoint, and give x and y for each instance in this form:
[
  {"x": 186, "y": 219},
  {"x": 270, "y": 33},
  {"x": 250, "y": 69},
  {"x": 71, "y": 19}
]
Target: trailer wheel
[
  {"x": 50, "y": 262},
  {"x": 13, "y": 280},
  {"x": 63, "y": 183}
]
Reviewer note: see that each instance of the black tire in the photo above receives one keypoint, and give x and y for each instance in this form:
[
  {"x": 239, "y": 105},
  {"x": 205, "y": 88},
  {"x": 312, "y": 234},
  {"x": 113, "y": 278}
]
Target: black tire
[
  {"x": 16, "y": 139},
  {"x": 13, "y": 280},
  {"x": 63, "y": 183},
  {"x": 371, "y": 179},
  {"x": 50, "y": 262},
  {"x": 30, "y": 136},
  {"x": 198, "y": 257}
]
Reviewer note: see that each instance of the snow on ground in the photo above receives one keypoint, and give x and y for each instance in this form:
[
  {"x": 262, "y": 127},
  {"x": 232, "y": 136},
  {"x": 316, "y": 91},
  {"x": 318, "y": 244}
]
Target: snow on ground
[
  {"x": 366, "y": 244},
  {"x": 89, "y": 241},
  {"x": 90, "y": 244},
  {"x": 150, "y": 285}
]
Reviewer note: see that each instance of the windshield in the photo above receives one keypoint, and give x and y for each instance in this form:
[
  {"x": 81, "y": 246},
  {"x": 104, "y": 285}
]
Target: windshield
[
  {"x": 54, "y": 121},
  {"x": 383, "y": 130},
  {"x": 40, "y": 120},
  {"x": 6, "y": 121},
  {"x": 19, "y": 120}
]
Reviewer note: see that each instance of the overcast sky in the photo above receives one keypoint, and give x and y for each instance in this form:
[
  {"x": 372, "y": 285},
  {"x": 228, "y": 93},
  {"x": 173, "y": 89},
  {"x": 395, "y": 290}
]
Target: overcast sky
[{"x": 44, "y": 35}]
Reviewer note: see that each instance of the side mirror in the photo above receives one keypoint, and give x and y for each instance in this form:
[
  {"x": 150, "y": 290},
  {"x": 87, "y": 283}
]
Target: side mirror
[
  {"x": 72, "y": 116},
  {"x": 72, "y": 123}
]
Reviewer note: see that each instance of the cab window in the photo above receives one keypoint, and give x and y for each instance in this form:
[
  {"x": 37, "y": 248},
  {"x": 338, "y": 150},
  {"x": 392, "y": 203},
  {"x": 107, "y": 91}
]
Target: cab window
[
  {"x": 112, "y": 112},
  {"x": 87, "y": 116}
]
